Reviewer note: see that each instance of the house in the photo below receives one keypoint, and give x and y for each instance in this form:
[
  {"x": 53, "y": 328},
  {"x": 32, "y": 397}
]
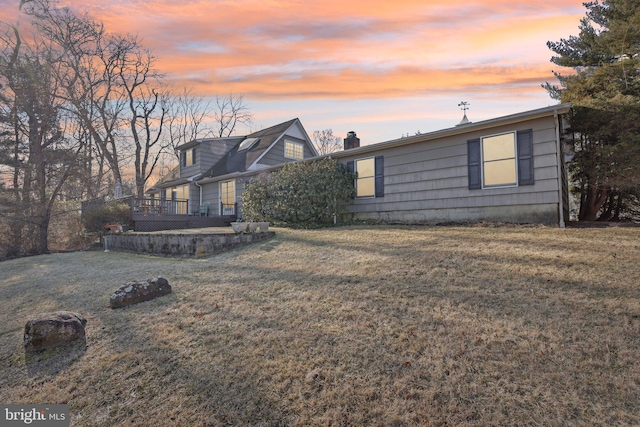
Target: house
[
  {"x": 206, "y": 188},
  {"x": 507, "y": 169}
]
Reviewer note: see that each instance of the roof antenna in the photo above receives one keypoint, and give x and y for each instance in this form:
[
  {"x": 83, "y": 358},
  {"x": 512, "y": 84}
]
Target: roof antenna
[{"x": 465, "y": 107}]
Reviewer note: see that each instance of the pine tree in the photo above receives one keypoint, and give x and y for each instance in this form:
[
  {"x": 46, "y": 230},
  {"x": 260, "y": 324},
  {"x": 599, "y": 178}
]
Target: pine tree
[{"x": 605, "y": 92}]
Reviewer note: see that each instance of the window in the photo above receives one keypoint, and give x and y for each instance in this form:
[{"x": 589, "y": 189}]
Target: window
[
  {"x": 180, "y": 199},
  {"x": 365, "y": 182},
  {"x": 293, "y": 150},
  {"x": 370, "y": 176},
  {"x": 499, "y": 160},
  {"x": 188, "y": 158},
  {"x": 228, "y": 197}
]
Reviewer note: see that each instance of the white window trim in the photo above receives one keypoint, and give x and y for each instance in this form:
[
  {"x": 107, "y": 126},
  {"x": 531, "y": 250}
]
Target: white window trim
[
  {"x": 299, "y": 144},
  {"x": 515, "y": 152},
  {"x": 355, "y": 168}
]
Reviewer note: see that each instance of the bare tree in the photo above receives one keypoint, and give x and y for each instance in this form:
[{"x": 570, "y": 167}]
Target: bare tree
[
  {"x": 112, "y": 87},
  {"x": 186, "y": 118},
  {"x": 146, "y": 109},
  {"x": 88, "y": 77},
  {"x": 230, "y": 111},
  {"x": 325, "y": 142}
]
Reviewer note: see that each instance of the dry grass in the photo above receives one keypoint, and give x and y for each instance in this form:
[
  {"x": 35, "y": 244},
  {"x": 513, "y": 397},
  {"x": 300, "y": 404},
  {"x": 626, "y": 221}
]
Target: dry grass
[{"x": 376, "y": 326}]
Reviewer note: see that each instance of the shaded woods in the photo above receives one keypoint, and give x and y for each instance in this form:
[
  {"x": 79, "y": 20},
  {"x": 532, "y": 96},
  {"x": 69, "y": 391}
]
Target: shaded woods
[{"x": 84, "y": 113}]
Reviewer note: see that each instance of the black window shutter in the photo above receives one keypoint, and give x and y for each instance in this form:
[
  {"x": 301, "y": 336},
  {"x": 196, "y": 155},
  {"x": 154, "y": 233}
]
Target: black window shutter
[
  {"x": 525, "y": 157},
  {"x": 352, "y": 169},
  {"x": 379, "y": 177},
  {"x": 194, "y": 156},
  {"x": 351, "y": 166},
  {"x": 475, "y": 172},
  {"x": 183, "y": 158}
]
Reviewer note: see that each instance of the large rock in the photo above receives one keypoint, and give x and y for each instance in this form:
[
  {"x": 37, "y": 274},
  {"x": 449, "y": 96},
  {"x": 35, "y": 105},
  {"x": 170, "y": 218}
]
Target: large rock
[
  {"x": 55, "y": 329},
  {"x": 135, "y": 292}
]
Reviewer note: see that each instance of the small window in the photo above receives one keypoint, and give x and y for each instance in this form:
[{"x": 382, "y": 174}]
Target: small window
[
  {"x": 365, "y": 182},
  {"x": 188, "y": 158},
  {"x": 499, "y": 160},
  {"x": 293, "y": 150}
]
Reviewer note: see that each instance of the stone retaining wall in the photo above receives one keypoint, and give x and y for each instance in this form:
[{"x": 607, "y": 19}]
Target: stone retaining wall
[{"x": 180, "y": 245}]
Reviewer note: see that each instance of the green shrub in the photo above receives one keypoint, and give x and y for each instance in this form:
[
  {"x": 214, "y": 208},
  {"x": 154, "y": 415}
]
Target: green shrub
[
  {"x": 109, "y": 213},
  {"x": 309, "y": 193}
]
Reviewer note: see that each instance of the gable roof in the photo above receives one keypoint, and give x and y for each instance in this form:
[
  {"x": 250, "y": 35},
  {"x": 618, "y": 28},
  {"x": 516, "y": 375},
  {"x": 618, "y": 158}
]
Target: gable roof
[{"x": 241, "y": 160}]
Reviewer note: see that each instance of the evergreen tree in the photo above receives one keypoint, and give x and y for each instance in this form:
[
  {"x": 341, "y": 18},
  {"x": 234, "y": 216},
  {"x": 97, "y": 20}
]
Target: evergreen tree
[{"x": 605, "y": 92}]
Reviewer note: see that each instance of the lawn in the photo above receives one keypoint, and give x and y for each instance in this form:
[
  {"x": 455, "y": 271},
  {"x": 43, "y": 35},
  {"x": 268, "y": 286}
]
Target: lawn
[{"x": 375, "y": 326}]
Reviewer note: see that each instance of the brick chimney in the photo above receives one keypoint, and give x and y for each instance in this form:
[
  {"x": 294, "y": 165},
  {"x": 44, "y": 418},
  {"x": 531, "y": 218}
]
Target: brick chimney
[{"x": 351, "y": 141}]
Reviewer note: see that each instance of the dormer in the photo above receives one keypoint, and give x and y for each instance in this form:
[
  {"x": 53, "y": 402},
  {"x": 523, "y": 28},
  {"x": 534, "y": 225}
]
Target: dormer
[
  {"x": 189, "y": 158},
  {"x": 199, "y": 155}
]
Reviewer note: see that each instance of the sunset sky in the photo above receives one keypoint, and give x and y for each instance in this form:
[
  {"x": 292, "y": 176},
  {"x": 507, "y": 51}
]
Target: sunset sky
[{"x": 380, "y": 68}]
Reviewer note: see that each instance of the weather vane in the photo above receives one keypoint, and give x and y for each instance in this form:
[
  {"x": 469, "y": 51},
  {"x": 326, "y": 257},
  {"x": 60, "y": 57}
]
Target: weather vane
[{"x": 465, "y": 107}]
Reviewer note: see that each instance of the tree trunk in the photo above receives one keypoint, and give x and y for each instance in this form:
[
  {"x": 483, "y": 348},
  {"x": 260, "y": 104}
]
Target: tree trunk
[
  {"x": 43, "y": 234},
  {"x": 608, "y": 207},
  {"x": 595, "y": 196},
  {"x": 40, "y": 184}
]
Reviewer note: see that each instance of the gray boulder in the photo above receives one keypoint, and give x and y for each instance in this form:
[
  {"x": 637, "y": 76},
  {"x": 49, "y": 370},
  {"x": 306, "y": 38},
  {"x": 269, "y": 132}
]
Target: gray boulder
[
  {"x": 56, "y": 329},
  {"x": 135, "y": 292}
]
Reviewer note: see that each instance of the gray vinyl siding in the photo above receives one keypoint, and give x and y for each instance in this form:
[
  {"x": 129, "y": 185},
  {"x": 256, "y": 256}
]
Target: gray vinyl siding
[
  {"x": 207, "y": 154},
  {"x": 211, "y": 194},
  {"x": 428, "y": 181},
  {"x": 205, "y": 158},
  {"x": 194, "y": 198},
  {"x": 191, "y": 170},
  {"x": 239, "y": 191},
  {"x": 275, "y": 155}
]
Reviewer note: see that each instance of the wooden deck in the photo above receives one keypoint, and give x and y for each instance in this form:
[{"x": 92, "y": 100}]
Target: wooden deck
[{"x": 150, "y": 214}]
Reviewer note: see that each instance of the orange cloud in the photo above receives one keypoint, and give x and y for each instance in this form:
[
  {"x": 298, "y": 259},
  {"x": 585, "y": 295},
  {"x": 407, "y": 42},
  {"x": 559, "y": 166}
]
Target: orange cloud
[
  {"x": 277, "y": 49},
  {"x": 360, "y": 83}
]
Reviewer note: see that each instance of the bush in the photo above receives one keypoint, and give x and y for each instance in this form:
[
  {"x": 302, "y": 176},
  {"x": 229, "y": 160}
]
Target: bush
[
  {"x": 314, "y": 192},
  {"x": 109, "y": 213}
]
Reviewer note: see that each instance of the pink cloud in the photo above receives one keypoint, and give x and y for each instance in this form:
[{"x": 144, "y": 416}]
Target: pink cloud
[{"x": 296, "y": 50}]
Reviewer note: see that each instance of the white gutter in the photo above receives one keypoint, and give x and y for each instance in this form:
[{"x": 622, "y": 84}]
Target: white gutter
[{"x": 560, "y": 159}]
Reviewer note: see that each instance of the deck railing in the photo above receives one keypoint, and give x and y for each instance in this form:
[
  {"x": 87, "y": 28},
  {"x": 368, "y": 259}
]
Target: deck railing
[
  {"x": 228, "y": 209},
  {"x": 151, "y": 206}
]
